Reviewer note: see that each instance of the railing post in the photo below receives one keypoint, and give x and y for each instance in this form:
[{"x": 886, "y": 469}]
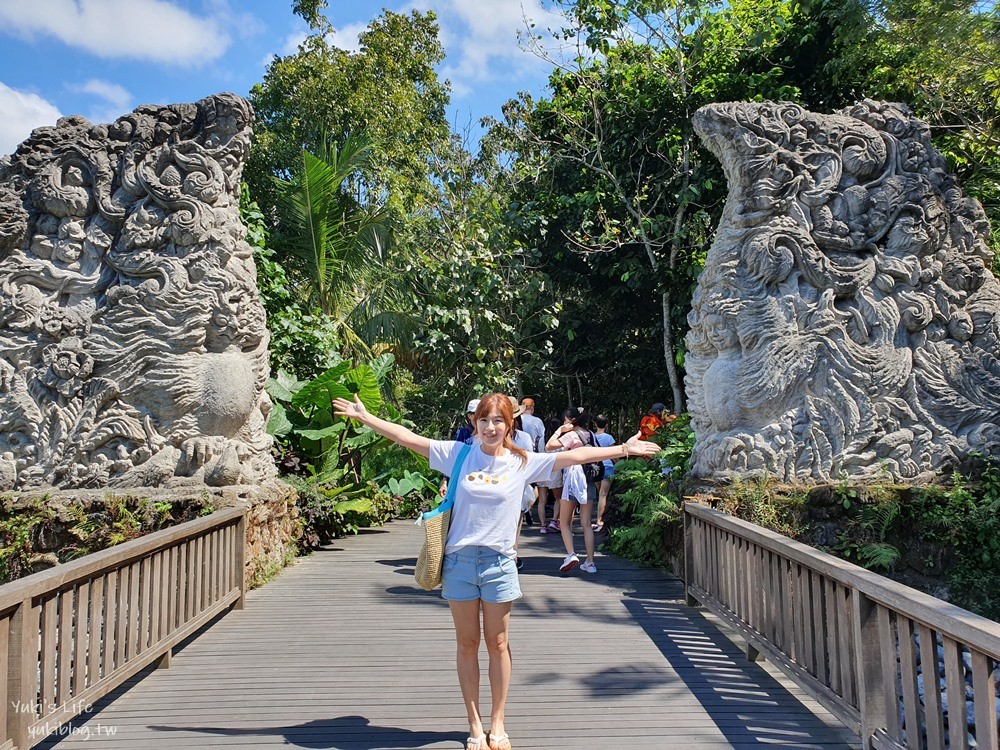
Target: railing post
[
  {"x": 22, "y": 678},
  {"x": 241, "y": 559},
  {"x": 163, "y": 662},
  {"x": 688, "y": 557},
  {"x": 868, "y": 655}
]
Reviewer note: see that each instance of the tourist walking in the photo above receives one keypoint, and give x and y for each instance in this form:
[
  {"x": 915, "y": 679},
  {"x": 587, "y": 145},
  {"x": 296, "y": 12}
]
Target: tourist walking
[
  {"x": 573, "y": 435},
  {"x": 550, "y": 486},
  {"x": 533, "y": 425},
  {"x": 536, "y": 430},
  {"x": 655, "y": 418},
  {"x": 480, "y": 581},
  {"x": 467, "y": 431},
  {"x": 605, "y": 440}
]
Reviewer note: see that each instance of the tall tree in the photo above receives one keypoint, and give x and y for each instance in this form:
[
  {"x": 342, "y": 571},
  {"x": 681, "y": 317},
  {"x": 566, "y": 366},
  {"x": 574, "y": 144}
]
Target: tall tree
[
  {"x": 388, "y": 89},
  {"x": 612, "y": 152},
  {"x": 943, "y": 59},
  {"x": 338, "y": 244}
]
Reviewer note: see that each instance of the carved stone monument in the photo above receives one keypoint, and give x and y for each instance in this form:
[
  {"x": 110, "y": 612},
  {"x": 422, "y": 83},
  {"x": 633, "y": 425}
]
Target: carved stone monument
[
  {"x": 133, "y": 350},
  {"x": 846, "y": 322}
]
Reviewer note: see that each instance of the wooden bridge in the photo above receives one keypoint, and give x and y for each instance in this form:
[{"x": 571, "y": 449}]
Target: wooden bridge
[{"x": 343, "y": 651}]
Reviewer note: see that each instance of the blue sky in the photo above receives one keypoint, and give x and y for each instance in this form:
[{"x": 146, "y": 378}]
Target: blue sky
[{"x": 102, "y": 58}]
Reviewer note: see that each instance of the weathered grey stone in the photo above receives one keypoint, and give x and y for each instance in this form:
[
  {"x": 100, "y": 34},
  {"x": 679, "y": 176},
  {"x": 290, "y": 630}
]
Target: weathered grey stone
[
  {"x": 846, "y": 322},
  {"x": 133, "y": 349}
]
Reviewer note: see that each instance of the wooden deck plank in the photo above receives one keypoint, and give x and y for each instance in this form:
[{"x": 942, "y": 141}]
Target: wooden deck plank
[{"x": 343, "y": 651}]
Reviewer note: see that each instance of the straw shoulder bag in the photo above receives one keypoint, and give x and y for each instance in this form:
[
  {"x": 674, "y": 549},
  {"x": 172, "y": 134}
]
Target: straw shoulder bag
[{"x": 435, "y": 523}]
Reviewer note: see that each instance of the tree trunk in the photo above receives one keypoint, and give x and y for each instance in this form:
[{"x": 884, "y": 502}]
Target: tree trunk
[{"x": 668, "y": 354}]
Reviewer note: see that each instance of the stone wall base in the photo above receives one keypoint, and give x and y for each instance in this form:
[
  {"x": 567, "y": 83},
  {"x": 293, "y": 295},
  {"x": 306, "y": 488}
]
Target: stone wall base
[{"x": 40, "y": 529}]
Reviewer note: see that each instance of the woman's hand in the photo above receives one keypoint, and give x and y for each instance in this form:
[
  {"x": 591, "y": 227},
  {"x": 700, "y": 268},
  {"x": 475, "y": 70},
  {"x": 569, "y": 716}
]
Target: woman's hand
[
  {"x": 637, "y": 447},
  {"x": 344, "y": 408}
]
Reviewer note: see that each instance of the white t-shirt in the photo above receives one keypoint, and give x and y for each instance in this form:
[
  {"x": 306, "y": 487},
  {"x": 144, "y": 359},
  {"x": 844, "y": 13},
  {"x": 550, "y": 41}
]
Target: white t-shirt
[
  {"x": 488, "y": 496},
  {"x": 536, "y": 429},
  {"x": 523, "y": 441}
]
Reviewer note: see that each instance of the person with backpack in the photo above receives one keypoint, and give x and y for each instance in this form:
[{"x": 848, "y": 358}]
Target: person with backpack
[
  {"x": 605, "y": 440},
  {"x": 479, "y": 578},
  {"x": 575, "y": 490}
]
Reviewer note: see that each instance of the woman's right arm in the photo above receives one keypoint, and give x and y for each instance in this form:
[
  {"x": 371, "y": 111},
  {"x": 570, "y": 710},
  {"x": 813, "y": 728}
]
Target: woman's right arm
[
  {"x": 554, "y": 444},
  {"x": 394, "y": 432}
]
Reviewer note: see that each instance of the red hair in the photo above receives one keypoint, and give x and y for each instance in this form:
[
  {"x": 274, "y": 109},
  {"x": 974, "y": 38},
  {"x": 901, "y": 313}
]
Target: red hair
[{"x": 500, "y": 403}]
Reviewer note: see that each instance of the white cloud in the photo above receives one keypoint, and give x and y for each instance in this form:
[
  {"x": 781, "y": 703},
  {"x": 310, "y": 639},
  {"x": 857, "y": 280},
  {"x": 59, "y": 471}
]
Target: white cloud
[
  {"x": 115, "y": 100},
  {"x": 22, "y": 113},
  {"x": 292, "y": 42},
  {"x": 154, "y": 30},
  {"x": 346, "y": 37},
  {"x": 481, "y": 38}
]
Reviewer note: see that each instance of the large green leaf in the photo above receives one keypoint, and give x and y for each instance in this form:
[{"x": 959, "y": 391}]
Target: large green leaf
[
  {"x": 321, "y": 391},
  {"x": 278, "y": 423},
  {"x": 363, "y": 381},
  {"x": 363, "y": 439},
  {"x": 284, "y": 387},
  {"x": 358, "y": 505},
  {"x": 325, "y": 432},
  {"x": 381, "y": 365}
]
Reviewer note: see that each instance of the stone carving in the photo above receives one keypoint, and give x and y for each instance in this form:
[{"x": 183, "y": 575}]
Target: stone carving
[
  {"x": 133, "y": 347},
  {"x": 846, "y": 322}
]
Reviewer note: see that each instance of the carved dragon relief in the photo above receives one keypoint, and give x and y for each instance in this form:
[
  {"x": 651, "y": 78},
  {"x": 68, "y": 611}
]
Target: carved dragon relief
[
  {"x": 133, "y": 346},
  {"x": 846, "y": 322}
]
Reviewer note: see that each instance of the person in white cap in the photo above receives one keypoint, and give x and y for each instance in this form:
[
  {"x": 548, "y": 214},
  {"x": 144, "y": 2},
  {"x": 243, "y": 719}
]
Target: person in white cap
[{"x": 467, "y": 431}]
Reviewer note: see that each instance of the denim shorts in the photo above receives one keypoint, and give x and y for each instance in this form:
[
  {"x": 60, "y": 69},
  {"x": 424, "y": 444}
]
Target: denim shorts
[{"x": 479, "y": 573}]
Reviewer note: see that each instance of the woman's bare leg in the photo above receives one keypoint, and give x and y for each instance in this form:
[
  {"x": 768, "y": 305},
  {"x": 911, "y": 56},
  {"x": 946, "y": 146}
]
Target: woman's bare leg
[
  {"x": 602, "y": 499},
  {"x": 543, "y": 498},
  {"x": 566, "y": 508},
  {"x": 496, "y": 621},
  {"x": 466, "y": 617},
  {"x": 588, "y": 532}
]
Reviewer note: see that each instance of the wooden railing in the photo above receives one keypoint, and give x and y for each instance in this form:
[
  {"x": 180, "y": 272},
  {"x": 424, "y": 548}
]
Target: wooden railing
[
  {"x": 71, "y": 634},
  {"x": 856, "y": 641}
]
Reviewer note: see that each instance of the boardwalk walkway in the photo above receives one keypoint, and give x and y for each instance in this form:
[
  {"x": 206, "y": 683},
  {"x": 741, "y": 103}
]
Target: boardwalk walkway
[{"x": 342, "y": 652}]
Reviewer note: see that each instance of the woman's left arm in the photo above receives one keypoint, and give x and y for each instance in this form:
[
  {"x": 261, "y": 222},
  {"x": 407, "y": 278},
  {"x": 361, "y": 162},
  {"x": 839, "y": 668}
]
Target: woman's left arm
[{"x": 587, "y": 454}]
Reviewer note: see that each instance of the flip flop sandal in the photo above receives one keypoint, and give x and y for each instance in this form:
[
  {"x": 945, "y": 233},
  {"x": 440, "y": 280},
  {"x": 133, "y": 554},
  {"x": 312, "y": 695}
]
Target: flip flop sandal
[
  {"x": 499, "y": 743},
  {"x": 477, "y": 743}
]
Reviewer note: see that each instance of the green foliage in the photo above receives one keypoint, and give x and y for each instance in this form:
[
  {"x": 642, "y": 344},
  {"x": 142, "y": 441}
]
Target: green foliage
[
  {"x": 864, "y": 538},
  {"x": 404, "y": 475},
  {"x": 18, "y": 536},
  {"x": 121, "y": 519},
  {"x": 965, "y": 520},
  {"x": 643, "y": 513},
  {"x": 302, "y": 414},
  {"x": 303, "y": 338},
  {"x": 330, "y": 513},
  {"x": 756, "y": 501},
  {"x": 84, "y": 529},
  {"x": 640, "y": 512},
  {"x": 337, "y": 246},
  {"x": 388, "y": 89}
]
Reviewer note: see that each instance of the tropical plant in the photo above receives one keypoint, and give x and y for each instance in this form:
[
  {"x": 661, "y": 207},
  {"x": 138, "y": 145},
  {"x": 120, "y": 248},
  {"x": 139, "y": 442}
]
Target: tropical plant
[
  {"x": 303, "y": 338},
  {"x": 339, "y": 244},
  {"x": 387, "y": 88},
  {"x": 303, "y": 412}
]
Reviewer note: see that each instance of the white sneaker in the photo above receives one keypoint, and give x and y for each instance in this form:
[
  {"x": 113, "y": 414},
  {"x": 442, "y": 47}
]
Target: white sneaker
[
  {"x": 588, "y": 567},
  {"x": 569, "y": 562}
]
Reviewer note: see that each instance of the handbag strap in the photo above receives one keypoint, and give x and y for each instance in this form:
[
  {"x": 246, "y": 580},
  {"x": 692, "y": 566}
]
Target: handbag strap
[{"x": 449, "y": 498}]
